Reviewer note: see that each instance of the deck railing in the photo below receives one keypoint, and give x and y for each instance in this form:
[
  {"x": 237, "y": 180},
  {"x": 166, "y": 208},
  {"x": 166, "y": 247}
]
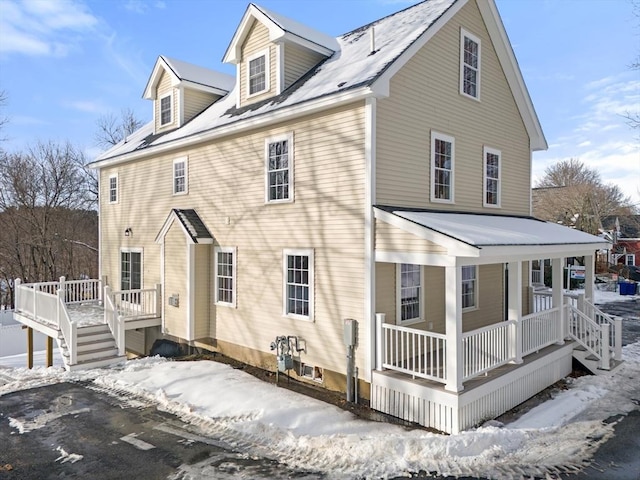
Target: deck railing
[
  {"x": 114, "y": 320},
  {"x": 137, "y": 304},
  {"x": 78, "y": 291},
  {"x": 486, "y": 348},
  {"x": 540, "y": 330},
  {"x": 593, "y": 337}
]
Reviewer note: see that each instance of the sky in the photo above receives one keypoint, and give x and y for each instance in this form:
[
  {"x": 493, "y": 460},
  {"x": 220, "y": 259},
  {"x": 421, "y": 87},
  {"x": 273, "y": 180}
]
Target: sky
[
  {"x": 65, "y": 63},
  {"x": 311, "y": 435}
]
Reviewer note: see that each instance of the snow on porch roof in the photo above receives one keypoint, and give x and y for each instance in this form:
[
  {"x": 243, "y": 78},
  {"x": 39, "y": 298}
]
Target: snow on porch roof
[{"x": 485, "y": 230}]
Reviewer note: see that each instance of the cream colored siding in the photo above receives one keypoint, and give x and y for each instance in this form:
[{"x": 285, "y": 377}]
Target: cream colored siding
[
  {"x": 490, "y": 298},
  {"x": 392, "y": 239},
  {"x": 386, "y": 290},
  {"x": 164, "y": 88},
  {"x": 175, "y": 269},
  {"x": 435, "y": 298},
  {"x": 297, "y": 62},
  {"x": 203, "y": 291},
  {"x": 195, "y": 102},
  {"x": 424, "y": 97},
  {"x": 257, "y": 40},
  {"x": 227, "y": 188}
]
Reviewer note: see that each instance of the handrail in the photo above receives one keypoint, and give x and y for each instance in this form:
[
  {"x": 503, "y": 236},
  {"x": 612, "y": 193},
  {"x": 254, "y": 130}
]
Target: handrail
[
  {"x": 136, "y": 304},
  {"x": 415, "y": 352},
  {"x": 592, "y": 336},
  {"x": 486, "y": 348},
  {"x": 114, "y": 321},
  {"x": 539, "y": 330},
  {"x": 68, "y": 328}
]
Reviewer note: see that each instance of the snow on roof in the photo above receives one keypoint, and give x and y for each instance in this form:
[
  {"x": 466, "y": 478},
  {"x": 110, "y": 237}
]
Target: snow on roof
[
  {"x": 300, "y": 30},
  {"x": 193, "y": 224},
  {"x": 197, "y": 74},
  {"x": 353, "y": 65},
  {"x": 498, "y": 230}
]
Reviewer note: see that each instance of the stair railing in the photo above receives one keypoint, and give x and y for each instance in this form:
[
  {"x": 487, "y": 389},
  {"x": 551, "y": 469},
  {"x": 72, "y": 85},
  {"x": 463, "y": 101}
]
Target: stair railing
[
  {"x": 67, "y": 327},
  {"x": 591, "y": 336},
  {"x": 115, "y": 321}
]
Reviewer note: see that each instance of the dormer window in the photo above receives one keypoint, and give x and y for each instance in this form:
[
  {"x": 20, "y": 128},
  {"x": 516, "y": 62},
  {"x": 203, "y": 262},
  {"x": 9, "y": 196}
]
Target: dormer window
[
  {"x": 258, "y": 78},
  {"x": 166, "y": 116}
]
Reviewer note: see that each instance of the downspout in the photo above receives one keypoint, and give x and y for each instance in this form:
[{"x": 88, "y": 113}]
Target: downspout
[{"x": 369, "y": 254}]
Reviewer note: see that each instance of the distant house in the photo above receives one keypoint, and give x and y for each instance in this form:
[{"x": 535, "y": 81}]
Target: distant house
[
  {"x": 378, "y": 179},
  {"x": 624, "y": 231}
]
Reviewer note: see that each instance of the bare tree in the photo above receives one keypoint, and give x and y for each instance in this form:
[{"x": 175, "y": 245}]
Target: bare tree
[
  {"x": 46, "y": 217},
  {"x": 574, "y": 195},
  {"x": 4, "y": 99},
  {"x": 112, "y": 129}
]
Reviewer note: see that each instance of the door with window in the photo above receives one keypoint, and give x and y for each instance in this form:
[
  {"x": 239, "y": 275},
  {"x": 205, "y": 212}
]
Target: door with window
[{"x": 131, "y": 274}]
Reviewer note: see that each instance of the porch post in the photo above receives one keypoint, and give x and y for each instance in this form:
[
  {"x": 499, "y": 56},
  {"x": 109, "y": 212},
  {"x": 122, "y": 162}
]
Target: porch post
[
  {"x": 49, "y": 351},
  {"x": 589, "y": 276},
  {"x": 514, "y": 310},
  {"x": 453, "y": 328},
  {"x": 380, "y": 317},
  {"x": 62, "y": 287},
  {"x": 557, "y": 296},
  {"x": 29, "y": 347},
  {"x": 158, "y": 300}
]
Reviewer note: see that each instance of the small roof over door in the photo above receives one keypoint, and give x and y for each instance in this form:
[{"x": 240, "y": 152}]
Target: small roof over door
[{"x": 191, "y": 223}]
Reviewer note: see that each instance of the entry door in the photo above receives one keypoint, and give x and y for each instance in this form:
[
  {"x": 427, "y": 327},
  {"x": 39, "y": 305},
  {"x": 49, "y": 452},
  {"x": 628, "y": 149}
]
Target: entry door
[{"x": 131, "y": 273}]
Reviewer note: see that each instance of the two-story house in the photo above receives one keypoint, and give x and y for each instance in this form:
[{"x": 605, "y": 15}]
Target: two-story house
[{"x": 380, "y": 178}]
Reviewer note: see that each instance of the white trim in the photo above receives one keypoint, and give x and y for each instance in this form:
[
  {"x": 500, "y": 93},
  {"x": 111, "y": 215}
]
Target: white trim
[
  {"x": 302, "y": 252},
  {"x": 466, "y": 34},
  {"x": 487, "y": 150},
  {"x": 184, "y": 159},
  {"x": 369, "y": 319},
  {"x": 420, "y": 317},
  {"x": 117, "y": 189},
  {"x": 431, "y": 259},
  {"x": 100, "y": 215},
  {"x": 449, "y": 139},
  {"x": 234, "y": 269},
  {"x": 191, "y": 290},
  {"x": 238, "y": 85},
  {"x": 266, "y": 53},
  {"x": 172, "y": 119},
  {"x": 163, "y": 325},
  {"x": 280, "y": 54},
  {"x": 288, "y": 137},
  {"x": 180, "y": 107},
  {"x": 629, "y": 256}
]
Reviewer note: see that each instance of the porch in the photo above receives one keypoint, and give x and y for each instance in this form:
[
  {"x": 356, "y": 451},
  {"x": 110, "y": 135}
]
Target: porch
[
  {"x": 466, "y": 337},
  {"x": 86, "y": 318}
]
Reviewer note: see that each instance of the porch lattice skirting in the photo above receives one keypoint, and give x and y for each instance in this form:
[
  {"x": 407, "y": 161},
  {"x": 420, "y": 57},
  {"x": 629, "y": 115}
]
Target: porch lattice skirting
[{"x": 428, "y": 404}]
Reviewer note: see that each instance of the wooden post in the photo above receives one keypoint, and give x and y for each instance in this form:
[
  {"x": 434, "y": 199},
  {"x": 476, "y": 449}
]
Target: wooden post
[
  {"x": 29, "y": 347},
  {"x": 158, "y": 300},
  {"x": 514, "y": 308},
  {"x": 589, "y": 276},
  {"x": 453, "y": 328},
  {"x": 49, "y": 351},
  {"x": 380, "y": 317}
]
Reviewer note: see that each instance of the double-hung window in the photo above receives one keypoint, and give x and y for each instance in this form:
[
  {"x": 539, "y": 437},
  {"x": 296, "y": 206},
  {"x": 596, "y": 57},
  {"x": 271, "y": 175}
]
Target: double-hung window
[
  {"x": 258, "y": 73},
  {"x": 113, "y": 188},
  {"x": 225, "y": 281},
  {"x": 166, "y": 116},
  {"x": 298, "y": 284},
  {"x": 279, "y": 168},
  {"x": 409, "y": 297},
  {"x": 492, "y": 166},
  {"x": 469, "y": 65},
  {"x": 469, "y": 287},
  {"x": 442, "y": 162},
  {"x": 180, "y": 176}
]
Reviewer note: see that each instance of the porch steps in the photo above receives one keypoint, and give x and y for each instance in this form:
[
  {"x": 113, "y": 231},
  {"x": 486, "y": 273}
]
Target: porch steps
[
  {"x": 590, "y": 362},
  {"x": 95, "y": 348}
]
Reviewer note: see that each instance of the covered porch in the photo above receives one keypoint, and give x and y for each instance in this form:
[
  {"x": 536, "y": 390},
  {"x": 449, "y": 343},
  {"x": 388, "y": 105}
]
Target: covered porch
[{"x": 467, "y": 338}]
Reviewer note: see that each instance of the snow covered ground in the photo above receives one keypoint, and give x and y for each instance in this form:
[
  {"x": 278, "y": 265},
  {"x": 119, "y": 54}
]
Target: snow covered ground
[{"x": 308, "y": 434}]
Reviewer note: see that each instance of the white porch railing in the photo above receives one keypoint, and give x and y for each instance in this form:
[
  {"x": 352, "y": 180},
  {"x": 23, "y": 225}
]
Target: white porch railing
[
  {"x": 593, "y": 337},
  {"x": 540, "y": 330},
  {"x": 486, "y": 348},
  {"x": 78, "y": 291},
  {"x": 137, "y": 304},
  {"x": 114, "y": 320}
]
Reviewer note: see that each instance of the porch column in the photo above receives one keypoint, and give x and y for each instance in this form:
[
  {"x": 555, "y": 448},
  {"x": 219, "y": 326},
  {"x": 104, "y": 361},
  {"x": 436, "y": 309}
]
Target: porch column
[
  {"x": 589, "y": 276},
  {"x": 514, "y": 309},
  {"x": 453, "y": 328},
  {"x": 557, "y": 296}
]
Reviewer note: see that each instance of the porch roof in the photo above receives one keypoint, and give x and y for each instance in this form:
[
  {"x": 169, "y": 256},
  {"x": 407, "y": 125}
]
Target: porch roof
[{"x": 486, "y": 235}]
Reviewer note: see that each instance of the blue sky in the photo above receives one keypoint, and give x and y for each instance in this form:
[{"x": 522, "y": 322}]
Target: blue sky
[{"x": 64, "y": 63}]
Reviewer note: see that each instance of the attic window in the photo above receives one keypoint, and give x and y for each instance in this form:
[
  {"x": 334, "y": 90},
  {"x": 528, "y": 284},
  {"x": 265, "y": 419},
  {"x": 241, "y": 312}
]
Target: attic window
[
  {"x": 258, "y": 79},
  {"x": 165, "y": 110},
  {"x": 469, "y": 65}
]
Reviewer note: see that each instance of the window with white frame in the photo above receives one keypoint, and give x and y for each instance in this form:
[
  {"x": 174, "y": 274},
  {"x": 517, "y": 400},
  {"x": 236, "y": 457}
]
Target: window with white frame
[
  {"x": 225, "y": 280},
  {"x": 279, "y": 168},
  {"x": 442, "y": 161},
  {"x": 166, "y": 116},
  {"x": 492, "y": 167},
  {"x": 131, "y": 273},
  {"x": 180, "y": 176},
  {"x": 298, "y": 284},
  {"x": 409, "y": 295},
  {"x": 258, "y": 72},
  {"x": 113, "y": 188},
  {"x": 630, "y": 259},
  {"x": 469, "y": 65},
  {"x": 469, "y": 287}
]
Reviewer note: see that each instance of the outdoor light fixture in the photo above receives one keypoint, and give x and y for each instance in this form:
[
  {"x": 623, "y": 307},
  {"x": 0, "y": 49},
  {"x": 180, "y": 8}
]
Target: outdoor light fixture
[{"x": 128, "y": 232}]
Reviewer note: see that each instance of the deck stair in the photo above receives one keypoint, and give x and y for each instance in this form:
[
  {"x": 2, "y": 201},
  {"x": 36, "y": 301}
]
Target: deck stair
[{"x": 96, "y": 347}]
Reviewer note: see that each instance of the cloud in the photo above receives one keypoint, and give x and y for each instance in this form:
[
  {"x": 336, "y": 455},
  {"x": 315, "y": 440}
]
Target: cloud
[
  {"x": 141, "y": 7},
  {"x": 87, "y": 106},
  {"x": 42, "y": 28}
]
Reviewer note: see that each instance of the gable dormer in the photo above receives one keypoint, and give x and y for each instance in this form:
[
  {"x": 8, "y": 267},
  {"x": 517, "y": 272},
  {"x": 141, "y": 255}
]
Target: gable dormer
[
  {"x": 271, "y": 52},
  {"x": 180, "y": 91}
]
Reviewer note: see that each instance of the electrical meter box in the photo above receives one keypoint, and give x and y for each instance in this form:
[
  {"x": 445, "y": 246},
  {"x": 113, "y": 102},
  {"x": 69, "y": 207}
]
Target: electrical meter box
[
  {"x": 350, "y": 332},
  {"x": 285, "y": 362}
]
